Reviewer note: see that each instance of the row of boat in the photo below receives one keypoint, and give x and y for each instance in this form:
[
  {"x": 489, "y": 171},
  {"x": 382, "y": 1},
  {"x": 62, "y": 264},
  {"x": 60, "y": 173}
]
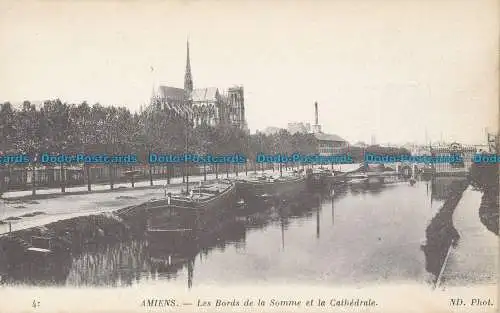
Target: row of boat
[
  {"x": 219, "y": 198},
  {"x": 181, "y": 221},
  {"x": 321, "y": 178},
  {"x": 207, "y": 207},
  {"x": 206, "y": 203}
]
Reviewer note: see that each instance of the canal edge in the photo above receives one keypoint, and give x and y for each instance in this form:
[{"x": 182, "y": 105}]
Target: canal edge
[{"x": 439, "y": 280}]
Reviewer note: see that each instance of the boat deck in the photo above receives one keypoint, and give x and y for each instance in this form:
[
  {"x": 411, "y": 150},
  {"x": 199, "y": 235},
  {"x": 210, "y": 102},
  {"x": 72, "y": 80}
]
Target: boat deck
[
  {"x": 201, "y": 193},
  {"x": 271, "y": 179}
]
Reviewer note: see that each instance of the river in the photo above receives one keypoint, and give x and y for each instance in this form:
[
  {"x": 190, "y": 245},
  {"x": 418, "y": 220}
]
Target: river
[{"x": 357, "y": 237}]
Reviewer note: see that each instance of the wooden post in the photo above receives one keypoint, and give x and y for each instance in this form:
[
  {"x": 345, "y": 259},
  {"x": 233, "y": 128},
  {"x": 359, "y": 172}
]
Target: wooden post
[
  {"x": 63, "y": 178},
  {"x": 204, "y": 171},
  {"x": 33, "y": 181},
  {"x": 111, "y": 176},
  {"x": 89, "y": 179},
  {"x": 170, "y": 169},
  {"x": 150, "y": 174}
]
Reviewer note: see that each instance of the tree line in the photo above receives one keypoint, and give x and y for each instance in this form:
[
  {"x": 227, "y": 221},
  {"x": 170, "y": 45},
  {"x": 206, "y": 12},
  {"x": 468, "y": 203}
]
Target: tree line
[
  {"x": 56, "y": 127},
  {"x": 63, "y": 128}
]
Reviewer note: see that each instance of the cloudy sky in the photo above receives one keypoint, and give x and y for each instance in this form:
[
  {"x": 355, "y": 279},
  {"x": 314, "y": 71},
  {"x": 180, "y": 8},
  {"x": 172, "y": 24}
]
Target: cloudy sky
[{"x": 392, "y": 69}]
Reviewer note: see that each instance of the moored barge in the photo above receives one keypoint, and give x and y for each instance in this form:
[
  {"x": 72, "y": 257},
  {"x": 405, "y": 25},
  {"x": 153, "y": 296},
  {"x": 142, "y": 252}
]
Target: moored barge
[
  {"x": 267, "y": 188},
  {"x": 180, "y": 218}
]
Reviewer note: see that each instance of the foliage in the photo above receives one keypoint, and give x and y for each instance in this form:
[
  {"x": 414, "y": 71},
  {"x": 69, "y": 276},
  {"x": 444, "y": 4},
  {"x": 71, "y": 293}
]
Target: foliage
[{"x": 57, "y": 127}]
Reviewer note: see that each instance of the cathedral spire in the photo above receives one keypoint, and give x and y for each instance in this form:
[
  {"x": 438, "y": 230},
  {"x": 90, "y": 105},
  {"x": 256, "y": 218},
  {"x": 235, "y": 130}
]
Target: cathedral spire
[{"x": 188, "y": 79}]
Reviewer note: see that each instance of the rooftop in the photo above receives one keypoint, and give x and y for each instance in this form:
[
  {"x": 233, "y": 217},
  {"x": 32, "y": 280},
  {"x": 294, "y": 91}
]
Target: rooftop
[
  {"x": 171, "y": 92},
  {"x": 328, "y": 137},
  {"x": 205, "y": 94}
]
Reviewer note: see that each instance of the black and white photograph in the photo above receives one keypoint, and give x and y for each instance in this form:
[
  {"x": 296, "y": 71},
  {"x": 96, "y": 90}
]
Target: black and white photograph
[{"x": 249, "y": 156}]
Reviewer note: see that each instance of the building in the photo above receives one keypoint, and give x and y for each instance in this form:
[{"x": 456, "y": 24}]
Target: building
[
  {"x": 271, "y": 130},
  {"x": 453, "y": 168},
  {"x": 360, "y": 144},
  {"x": 236, "y": 104},
  {"x": 209, "y": 106},
  {"x": 298, "y": 127},
  {"x": 328, "y": 144}
]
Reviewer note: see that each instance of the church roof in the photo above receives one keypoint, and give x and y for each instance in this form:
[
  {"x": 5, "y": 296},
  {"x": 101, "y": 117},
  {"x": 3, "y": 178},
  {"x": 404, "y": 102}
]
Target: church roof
[
  {"x": 171, "y": 92},
  {"x": 328, "y": 137},
  {"x": 204, "y": 94}
]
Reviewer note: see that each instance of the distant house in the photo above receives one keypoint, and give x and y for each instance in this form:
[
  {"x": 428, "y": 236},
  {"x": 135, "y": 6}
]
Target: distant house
[
  {"x": 329, "y": 144},
  {"x": 271, "y": 130},
  {"x": 360, "y": 144},
  {"x": 298, "y": 127},
  {"x": 453, "y": 168}
]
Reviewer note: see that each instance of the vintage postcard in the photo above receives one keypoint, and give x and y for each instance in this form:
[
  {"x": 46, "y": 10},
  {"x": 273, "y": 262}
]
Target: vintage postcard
[{"x": 249, "y": 156}]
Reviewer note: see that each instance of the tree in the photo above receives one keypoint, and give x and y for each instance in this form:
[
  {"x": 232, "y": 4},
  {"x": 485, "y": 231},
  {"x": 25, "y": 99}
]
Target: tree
[{"x": 27, "y": 137}]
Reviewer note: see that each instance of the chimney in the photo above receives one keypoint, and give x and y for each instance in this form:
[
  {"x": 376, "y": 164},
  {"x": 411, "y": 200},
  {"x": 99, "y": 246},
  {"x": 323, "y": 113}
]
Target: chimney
[
  {"x": 316, "y": 127},
  {"x": 316, "y": 113}
]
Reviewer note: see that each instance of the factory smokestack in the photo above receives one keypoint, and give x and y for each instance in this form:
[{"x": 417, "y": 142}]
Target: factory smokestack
[
  {"x": 316, "y": 113},
  {"x": 316, "y": 126}
]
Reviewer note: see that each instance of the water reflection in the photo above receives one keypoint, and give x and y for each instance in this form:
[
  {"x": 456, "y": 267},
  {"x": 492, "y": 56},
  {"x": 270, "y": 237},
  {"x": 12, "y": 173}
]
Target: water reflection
[
  {"x": 41, "y": 271},
  {"x": 375, "y": 233},
  {"x": 442, "y": 186},
  {"x": 110, "y": 265}
]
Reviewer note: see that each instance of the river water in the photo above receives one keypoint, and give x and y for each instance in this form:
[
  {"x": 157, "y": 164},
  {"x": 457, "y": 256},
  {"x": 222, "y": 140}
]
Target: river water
[{"x": 356, "y": 237}]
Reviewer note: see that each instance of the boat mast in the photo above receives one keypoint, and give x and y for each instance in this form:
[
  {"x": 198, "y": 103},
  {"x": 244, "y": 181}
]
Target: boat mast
[
  {"x": 188, "y": 89},
  {"x": 186, "y": 167}
]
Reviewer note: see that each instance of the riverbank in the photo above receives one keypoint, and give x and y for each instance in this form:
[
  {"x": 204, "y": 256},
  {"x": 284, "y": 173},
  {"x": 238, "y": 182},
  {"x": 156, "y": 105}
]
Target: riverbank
[
  {"x": 489, "y": 210},
  {"x": 21, "y": 214},
  {"x": 49, "y": 193},
  {"x": 26, "y": 212},
  {"x": 474, "y": 259},
  {"x": 441, "y": 233},
  {"x": 55, "y": 243}
]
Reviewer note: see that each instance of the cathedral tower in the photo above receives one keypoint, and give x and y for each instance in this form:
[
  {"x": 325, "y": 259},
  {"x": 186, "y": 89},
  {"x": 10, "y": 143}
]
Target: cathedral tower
[{"x": 188, "y": 79}]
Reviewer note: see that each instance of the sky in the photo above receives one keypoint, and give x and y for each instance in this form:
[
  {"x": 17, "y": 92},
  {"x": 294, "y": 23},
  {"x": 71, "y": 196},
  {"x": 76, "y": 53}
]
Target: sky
[{"x": 395, "y": 70}]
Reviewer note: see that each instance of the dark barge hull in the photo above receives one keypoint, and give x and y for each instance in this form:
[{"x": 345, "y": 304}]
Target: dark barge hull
[
  {"x": 319, "y": 182},
  {"x": 257, "y": 192},
  {"x": 172, "y": 227}
]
